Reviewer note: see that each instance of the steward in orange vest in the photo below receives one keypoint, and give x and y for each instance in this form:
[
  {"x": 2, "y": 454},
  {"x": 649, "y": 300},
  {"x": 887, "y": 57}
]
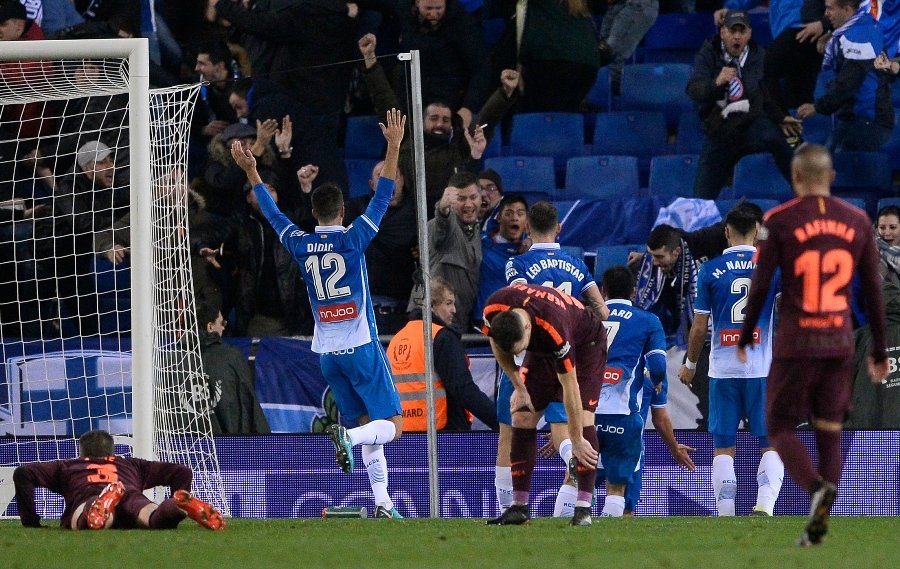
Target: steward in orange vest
[
  {"x": 455, "y": 391},
  {"x": 407, "y": 357}
]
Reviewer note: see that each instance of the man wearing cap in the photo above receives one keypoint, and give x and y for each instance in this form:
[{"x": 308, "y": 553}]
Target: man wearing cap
[
  {"x": 490, "y": 186},
  {"x": 739, "y": 116},
  {"x": 859, "y": 95},
  {"x": 97, "y": 207}
]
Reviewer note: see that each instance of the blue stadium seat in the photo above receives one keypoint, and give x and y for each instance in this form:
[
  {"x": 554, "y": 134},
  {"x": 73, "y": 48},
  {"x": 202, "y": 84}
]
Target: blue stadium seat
[
  {"x": 557, "y": 135},
  {"x": 858, "y": 202},
  {"x": 863, "y": 171},
  {"x": 603, "y": 177},
  {"x": 863, "y": 175},
  {"x": 656, "y": 87},
  {"x": 727, "y": 205},
  {"x": 492, "y": 29},
  {"x": 817, "y": 128},
  {"x": 574, "y": 251},
  {"x": 757, "y": 176},
  {"x": 495, "y": 146},
  {"x": 532, "y": 198},
  {"x": 600, "y": 96},
  {"x": 677, "y": 37},
  {"x": 633, "y": 133},
  {"x": 673, "y": 175},
  {"x": 884, "y": 202},
  {"x": 612, "y": 255},
  {"x": 524, "y": 173},
  {"x": 359, "y": 171},
  {"x": 689, "y": 136},
  {"x": 364, "y": 138},
  {"x": 892, "y": 146}
]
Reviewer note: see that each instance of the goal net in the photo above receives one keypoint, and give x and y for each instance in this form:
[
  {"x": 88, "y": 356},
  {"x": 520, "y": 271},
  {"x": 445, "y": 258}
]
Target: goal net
[{"x": 97, "y": 321}]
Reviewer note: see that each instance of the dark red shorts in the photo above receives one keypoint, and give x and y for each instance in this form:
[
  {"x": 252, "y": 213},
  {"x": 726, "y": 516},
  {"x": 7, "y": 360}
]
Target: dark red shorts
[
  {"x": 542, "y": 379},
  {"x": 800, "y": 388},
  {"x": 126, "y": 515}
]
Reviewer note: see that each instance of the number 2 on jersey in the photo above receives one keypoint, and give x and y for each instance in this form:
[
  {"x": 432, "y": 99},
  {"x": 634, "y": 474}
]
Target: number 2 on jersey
[
  {"x": 739, "y": 286},
  {"x": 315, "y": 265},
  {"x": 821, "y": 296}
]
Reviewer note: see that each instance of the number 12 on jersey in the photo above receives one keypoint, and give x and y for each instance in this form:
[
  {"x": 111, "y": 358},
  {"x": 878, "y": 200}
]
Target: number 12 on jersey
[{"x": 333, "y": 262}]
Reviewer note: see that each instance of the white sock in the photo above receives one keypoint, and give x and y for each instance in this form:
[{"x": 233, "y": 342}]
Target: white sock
[
  {"x": 376, "y": 467},
  {"x": 377, "y": 432},
  {"x": 565, "y": 502},
  {"x": 503, "y": 485},
  {"x": 769, "y": 477},
  {"x": 613, "y": 507},
  {"x": 565, "y": 451},
  {"x": 724, "y": 484}
]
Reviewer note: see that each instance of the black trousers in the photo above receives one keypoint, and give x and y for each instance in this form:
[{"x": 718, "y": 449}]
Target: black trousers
[{"x": 791, "y": 69}]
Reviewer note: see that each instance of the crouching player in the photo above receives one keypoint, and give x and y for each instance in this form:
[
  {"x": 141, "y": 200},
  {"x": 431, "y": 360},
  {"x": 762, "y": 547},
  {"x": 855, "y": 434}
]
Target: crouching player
[{"x": 102, "y": 490}]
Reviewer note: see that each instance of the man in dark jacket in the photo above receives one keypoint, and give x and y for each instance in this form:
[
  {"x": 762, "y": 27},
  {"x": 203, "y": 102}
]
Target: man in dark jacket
[
  {"x": 270, "y": 297},
  {"x": 739, "y": 117},
  {"x": 878, "y": 406},
  {"x": 303, "y": 46},
  {"x": 448, "y": 146},
  {"x": 232, "y": 396}
]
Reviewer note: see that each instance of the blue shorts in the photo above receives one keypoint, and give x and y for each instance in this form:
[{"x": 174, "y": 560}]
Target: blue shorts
[
  {"x": 504, "y": 394},
  {"x": 732, "y": 399},
  {"x": 621, "y": 443},
  {"x": 555, "y": 412},
  {"x": 361, "y": 381},
  {"x": 633, "y": 488}
]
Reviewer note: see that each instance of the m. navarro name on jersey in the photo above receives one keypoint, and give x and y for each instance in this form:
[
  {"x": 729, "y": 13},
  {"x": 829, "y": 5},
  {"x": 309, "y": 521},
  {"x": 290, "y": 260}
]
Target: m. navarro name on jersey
[
  {"x": 731, "y": 337},
  {"x": 338, "y": 312},
  {"x": 552, "y": 263}
]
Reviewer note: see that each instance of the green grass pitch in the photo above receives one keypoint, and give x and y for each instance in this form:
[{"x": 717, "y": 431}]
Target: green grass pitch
[{"x": 638, "y": 543}]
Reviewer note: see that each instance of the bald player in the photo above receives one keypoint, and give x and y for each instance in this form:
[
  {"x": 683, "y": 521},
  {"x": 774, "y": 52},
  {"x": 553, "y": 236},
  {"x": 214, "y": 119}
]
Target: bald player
[{"x": 818, "y": 242}]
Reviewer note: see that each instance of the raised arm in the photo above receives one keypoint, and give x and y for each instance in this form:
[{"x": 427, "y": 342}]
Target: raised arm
[{"x": 393, "y": 133}]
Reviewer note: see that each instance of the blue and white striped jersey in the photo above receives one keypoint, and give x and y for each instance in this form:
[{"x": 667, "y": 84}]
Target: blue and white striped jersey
[
  {"x": 723, "y": 286},
  {"x": 636, "y": 339},
  {"x": 334, "y": 267},
  {"x": 545, "y": 264}
]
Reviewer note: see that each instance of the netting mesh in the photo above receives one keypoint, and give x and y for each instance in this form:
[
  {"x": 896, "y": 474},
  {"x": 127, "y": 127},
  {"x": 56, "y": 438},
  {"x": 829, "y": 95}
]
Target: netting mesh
[{"x": 66, "y": 287}]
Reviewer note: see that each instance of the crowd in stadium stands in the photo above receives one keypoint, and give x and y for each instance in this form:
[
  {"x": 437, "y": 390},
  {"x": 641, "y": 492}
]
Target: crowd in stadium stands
[{"x": 295, "y": 80}]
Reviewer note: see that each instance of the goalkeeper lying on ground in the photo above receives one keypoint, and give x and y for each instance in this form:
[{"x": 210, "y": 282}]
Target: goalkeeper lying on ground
[{"x": 102, "y": 490}]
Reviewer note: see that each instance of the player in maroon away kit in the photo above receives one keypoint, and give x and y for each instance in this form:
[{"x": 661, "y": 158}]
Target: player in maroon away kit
[
  {"x": 102, "y": 490},
  {"x": 564, "y": 346},
  {"x": 818, "y": 242}
]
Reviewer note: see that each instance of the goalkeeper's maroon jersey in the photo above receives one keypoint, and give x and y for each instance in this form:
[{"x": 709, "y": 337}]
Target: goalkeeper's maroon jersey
[
  {"x": 78, "y": 480},
  {"x": 819, "y": 243}
]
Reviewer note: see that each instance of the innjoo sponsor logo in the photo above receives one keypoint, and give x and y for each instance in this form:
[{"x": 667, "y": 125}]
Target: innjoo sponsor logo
[
  {"x": 731, "y": 337},
  {"x": 338, "y": 312}
]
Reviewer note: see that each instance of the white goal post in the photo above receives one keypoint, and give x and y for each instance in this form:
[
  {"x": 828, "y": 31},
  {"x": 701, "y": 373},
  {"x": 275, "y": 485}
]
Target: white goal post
[{"x": 162, "y": 357}]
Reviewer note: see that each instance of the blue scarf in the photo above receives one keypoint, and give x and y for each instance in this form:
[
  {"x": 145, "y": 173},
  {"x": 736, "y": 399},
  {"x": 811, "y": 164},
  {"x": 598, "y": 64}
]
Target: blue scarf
[
  {"x": 831, "y": 49},
  {"x": 651, "y": 280}
]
